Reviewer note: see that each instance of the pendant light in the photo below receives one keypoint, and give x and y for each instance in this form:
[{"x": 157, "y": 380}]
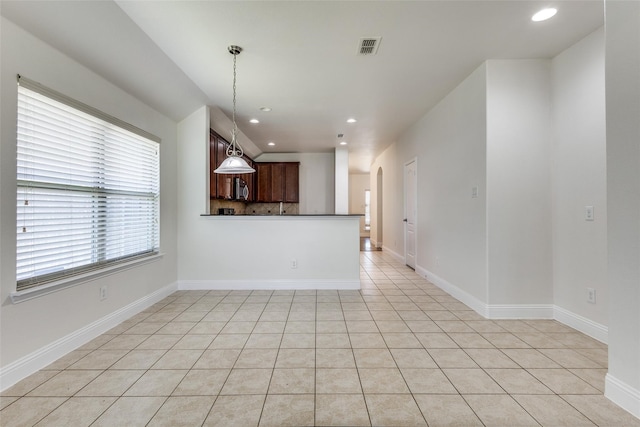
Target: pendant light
[{"x": 234, "y": 163}]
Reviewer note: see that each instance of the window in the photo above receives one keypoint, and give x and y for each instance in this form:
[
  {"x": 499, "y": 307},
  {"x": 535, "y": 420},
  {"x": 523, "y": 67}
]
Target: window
[
  {"x": 87, "y": 188},
  {"x": 367, "y": 209}
]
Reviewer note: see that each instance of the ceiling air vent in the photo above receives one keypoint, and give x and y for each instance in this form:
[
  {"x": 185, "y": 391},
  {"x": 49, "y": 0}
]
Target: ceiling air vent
[{"x": 368, "y": 45}]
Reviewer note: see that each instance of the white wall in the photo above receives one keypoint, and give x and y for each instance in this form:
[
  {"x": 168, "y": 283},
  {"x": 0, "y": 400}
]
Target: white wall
[
  {"x": 34, "y": 324},
  {"x": 392, "y": 239},
  {"x": 358, "y": 183},
  {"x": 451, "y": 149},
  {"x": 342, "y": 181},
  {"x": 316, "y": 179},
  {"x": 579, "y": 178},
  {"x": 449, "y": 142},
  {"x": 622, "y": 29},
  {"x": 518, "y": 190},
  {"x": 193, "y": 170},
  {"x": 495, "y": 131}
]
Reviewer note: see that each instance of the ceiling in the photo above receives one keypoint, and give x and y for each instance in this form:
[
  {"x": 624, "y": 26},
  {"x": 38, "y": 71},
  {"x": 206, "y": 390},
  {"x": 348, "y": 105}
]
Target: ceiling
[{"x": 300, "y": 58}]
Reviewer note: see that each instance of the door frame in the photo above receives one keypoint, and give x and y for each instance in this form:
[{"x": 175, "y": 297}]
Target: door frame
[
  {"x": 379, "y": 207},
  {"x": 415, "y": 198}
]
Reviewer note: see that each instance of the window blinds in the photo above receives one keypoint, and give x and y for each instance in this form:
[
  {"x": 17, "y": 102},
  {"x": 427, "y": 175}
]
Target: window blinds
[{"x": 87, "y": 188}]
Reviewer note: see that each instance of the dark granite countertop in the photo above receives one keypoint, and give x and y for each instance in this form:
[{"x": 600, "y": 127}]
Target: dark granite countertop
[{"x": 284, "y": 215}]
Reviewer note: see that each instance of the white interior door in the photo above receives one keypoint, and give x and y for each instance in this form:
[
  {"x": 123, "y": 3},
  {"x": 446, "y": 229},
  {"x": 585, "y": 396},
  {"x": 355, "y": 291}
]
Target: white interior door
[{"x": 410, "y": 211}]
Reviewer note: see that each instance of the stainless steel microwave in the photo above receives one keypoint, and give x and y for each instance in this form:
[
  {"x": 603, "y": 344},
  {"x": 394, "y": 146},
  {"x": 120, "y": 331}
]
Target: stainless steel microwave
[{"x": 240, "y": 189}]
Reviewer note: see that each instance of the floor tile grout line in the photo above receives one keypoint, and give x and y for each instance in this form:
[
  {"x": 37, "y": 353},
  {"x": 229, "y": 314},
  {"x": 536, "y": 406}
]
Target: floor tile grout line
[
  {"x": 405, "y": 380},
  {"x": 355, "y": 362},
  {"x": 543, "y": 330},
  {"x": 135, "y": 382},
  {"x": 275, "y": 362},
  {"x": 577, "y": 409}
]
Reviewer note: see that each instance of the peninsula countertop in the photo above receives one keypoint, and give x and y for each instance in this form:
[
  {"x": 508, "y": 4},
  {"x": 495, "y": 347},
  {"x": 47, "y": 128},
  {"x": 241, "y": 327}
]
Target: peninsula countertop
[{"x": 284, "y": 215}]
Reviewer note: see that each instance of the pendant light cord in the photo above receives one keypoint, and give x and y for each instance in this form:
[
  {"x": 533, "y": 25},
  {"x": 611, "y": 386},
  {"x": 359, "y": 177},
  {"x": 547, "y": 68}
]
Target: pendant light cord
[
  {"x": 235, "y": 162},
  {"x": 234, "y": 149}
]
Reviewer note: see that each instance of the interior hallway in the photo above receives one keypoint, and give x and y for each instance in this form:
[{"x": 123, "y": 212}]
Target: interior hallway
[
  {"x": 366, "y": 246},
  {"x": 399, "y": 352}
]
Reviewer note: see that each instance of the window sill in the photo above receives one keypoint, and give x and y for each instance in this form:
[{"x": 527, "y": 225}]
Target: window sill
[{"x": 21, "y": 296}]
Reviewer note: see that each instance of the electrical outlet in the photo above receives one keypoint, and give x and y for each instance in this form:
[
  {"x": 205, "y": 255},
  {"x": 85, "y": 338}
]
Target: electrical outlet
[
  {"x": 103, "y": 293},
  {"x": 591, "y": 295},
  {"x": 294, "y": 264},
  {"x": 588, "y": 213},
  {"x": 437, "y": 260}
]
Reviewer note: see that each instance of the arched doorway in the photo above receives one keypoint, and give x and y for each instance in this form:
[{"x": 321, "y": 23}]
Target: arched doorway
[{"x": 379, "y": 197}]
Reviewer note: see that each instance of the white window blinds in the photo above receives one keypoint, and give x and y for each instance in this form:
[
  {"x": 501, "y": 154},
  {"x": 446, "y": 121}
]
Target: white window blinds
[{"x": 88, "y": 188}]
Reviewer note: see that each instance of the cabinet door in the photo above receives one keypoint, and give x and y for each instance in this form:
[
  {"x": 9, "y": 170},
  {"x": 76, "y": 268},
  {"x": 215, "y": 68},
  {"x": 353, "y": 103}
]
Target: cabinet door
[
  {"x": 213, "y": 183},
  {"x": 291, "y": 182},
  {"x": 225, "y": 189},
  {"x": 277, "y": 182},
  {"x": 263, "y": 181}
]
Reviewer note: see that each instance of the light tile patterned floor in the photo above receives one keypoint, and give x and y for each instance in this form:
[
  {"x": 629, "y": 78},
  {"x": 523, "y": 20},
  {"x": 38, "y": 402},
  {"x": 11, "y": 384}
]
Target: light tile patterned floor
[{"x": 399, "y": 352}]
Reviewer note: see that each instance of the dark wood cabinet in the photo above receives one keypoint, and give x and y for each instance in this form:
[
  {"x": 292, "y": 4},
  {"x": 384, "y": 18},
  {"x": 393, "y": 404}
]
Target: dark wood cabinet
[
  {"x": 263, "y": 181},
  {"x": 277, "y": 182},
  {"x": 292, "y": 185},
  {"x": 221, "y": 186},
  {"x": 272, "y": 182},
  {"x": 213, "y": 155}
]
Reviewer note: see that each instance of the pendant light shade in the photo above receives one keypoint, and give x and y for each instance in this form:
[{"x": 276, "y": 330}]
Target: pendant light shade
[{"x": 234, "y": 163}]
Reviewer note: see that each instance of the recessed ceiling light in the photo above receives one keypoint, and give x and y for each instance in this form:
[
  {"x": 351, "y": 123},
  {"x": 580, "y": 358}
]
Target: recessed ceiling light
[
  {"x": 265, "y": 109},
  {"x": 343, "y": 143},
  {"x": 352, "y": 120},
  {"x": 271, "y": 144},
  {"x": 254, "y": 121},
  {"x": 544, "y": 14}
]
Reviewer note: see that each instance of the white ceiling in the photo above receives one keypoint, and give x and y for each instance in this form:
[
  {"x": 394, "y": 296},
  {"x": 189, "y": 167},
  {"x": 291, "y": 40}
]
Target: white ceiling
[{"x": 300, "y": 57}]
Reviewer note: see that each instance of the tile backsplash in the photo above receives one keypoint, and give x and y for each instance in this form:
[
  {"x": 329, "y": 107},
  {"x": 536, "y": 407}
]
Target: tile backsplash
[
  {"x": 271, "y": 209},
  {"x": 216, "y": 204},
  {"x": 242, "y": 208}
]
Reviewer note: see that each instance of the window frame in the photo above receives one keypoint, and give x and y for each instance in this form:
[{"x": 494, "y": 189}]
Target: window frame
[{"x": 97, "y": 195}]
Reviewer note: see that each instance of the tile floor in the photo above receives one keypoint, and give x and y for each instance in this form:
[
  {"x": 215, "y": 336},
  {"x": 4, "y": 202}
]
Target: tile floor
[{"x": 399, "y": 352}]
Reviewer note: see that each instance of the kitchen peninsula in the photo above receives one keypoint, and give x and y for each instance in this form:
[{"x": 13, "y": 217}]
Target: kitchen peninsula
[
  {"x": 315, "y": 250},
  {"x": 275, "y": 252}
]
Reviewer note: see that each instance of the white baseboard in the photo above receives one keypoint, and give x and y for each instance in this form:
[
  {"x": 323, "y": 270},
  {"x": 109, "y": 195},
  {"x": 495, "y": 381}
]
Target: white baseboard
[
  {"x": 622, "y": 394},
  {"x": 33, "y": 362},
  {"x": 396, "y": 255},
  {"x": 463, "y": 296},
  {"x": 267, "y": 284},
  {"x": 519, "y": 311},
  {"x": 582, "y": 324}
]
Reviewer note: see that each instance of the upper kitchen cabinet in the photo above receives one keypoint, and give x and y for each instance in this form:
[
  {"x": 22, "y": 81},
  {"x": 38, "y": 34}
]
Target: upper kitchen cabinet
[
  {"x": 277, "y": 182},
  {"x": 263, "y": 182},
  {"x": 226, "y": 186},
  {"x": 291, "y": 180}
]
